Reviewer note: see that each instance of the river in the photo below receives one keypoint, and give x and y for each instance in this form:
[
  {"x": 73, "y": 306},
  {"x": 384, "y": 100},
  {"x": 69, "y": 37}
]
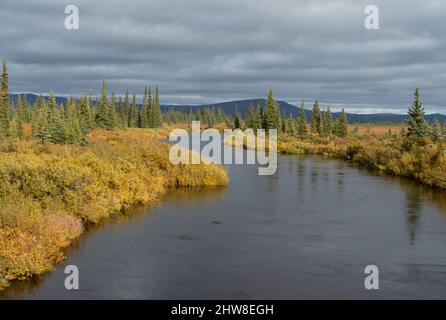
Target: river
[{"x": 307, "y": 232}]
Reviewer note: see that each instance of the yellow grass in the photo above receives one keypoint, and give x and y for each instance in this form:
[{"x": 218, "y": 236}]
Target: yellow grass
[{"x": 49, "y": 192}]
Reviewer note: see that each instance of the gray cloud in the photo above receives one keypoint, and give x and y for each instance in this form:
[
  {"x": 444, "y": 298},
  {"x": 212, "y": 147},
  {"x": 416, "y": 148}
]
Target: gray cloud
[{"x": 206, "y": 51}]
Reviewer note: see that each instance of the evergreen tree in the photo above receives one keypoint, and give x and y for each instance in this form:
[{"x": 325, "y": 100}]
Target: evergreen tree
[
  {"x": 327, "y": 122},
  {"x": 259, "y": 118},
  {"x": 112, "y": 116},
  {"x": 237, "y": 119},
  {"x": 73, "y": 129},
  {"x": 436, "y": 131},
  {"x": 250, "y": 117},
  {"x": 4, "y": 102},
  {"x": 302, "y": 130},
  {"x": 341, "y": 129},
  {"x": 102, "y": 116},
  {"x": 272, "y": 113},
  {"x": 417, "y": 124},
  {"x": 86, "y": 117},
  {"x": 133, "y": 116},
  {"x": 55, "y": 123},
  {"x": 16, "y": 128},
  {"x": 20, "y": 110},
  {"x": 40, "y": 123},
  {"x": 127, "y": 108},
  {"x": 316, "y": 126},
  {"x": 237, "y": 123},
  {"x": 149, "y": 108},
  {"x": 26, "y": 110},
  {"x": 156, "y": 110},
  {"x": 144, "y": 121}
]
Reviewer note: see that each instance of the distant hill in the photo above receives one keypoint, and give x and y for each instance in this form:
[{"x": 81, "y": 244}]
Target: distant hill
[
  {"x": 31, "y": 98},
  {"x": 230, "y": 107}
]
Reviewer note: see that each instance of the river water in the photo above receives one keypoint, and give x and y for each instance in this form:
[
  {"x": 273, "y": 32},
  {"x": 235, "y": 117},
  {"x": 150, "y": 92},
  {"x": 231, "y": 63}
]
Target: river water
[{"x": 307, "y": 232}]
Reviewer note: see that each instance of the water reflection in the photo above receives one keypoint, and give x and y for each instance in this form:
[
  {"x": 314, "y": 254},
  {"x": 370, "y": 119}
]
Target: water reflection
[
  {"x": 193, "y": 196},
  {"x": 413, "y": 206},
  {"x": 301, "y": 172},
  {"x": 314, "y": 177},
  {"x": 259, "y": 237},
  {"x": 186, "y": 197}
]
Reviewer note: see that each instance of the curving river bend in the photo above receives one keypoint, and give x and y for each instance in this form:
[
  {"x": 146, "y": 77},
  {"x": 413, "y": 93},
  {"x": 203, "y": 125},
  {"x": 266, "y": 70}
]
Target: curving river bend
[{"x": 307, "y": 232}]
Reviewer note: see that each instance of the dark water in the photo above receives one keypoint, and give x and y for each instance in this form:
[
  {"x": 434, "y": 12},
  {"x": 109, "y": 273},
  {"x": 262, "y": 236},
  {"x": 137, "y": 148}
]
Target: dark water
[{"x": 307, "y": 232}]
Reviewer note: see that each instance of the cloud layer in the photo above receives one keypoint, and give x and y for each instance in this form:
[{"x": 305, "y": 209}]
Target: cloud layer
[{"x": 207, "y": 51}]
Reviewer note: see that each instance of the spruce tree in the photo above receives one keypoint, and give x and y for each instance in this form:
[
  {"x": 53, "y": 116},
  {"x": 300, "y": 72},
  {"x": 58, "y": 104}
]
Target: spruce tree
[
  {"x": 341, "y": 129},
  {"x": 327, "y": 122},
  {"x": 436, "y": 132},
  {"x": 316, "y": 126},
  {"x": 74, "y": 133},
  {"x": 237, "y": 123},
  {"x": 127, "y": 108},
  {"x": 4, "y": 103},
  {"x": 102, "y": 116},
  {"x": 133, "y": 116},
  {"x": 156, "y": 110},
  {"x": 250, "y": 119},
  {"x": 16, "y": 128},
  {"x": 302, "y": 130},
  {"x": 112, "y": 116},
  {"x": 272, "y": 113},
  {"x": 26, "y": 110},
  {"x": 144, "y": 121},
  {"x": 55, "y": 124},
  {"x": 40, "y": 123},
  {"x": 20, "y": 112},
  {"x": 417, "y": 124},
  {"x": 259, "y": 118}
]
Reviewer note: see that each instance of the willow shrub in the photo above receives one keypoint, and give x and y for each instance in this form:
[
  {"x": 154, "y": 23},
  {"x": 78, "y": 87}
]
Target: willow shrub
[
  {"x": 425, "y": 162},
  {"x": 49, "y": 192}
]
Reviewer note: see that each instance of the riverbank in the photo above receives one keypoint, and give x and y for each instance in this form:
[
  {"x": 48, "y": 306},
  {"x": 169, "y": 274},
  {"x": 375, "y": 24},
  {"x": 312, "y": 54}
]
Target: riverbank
[
  {"x": 425, "y": 162},
  {"x": 48, "y": 193}
]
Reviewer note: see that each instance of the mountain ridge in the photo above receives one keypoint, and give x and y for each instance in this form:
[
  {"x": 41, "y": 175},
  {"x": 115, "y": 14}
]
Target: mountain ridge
[{"x": 230, "y": 107}]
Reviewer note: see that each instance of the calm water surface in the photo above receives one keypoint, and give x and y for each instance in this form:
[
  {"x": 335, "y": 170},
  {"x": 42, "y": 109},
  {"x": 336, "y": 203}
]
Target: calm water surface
[{"x": 306, "y": 232}]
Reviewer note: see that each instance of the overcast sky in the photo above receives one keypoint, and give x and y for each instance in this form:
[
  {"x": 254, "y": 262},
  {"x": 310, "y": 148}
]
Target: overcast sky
[{"x": 202, "y": 51}]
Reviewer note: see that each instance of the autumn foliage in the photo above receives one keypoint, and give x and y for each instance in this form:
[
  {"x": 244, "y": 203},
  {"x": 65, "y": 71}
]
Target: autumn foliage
[{"x": 49, "y": 192}]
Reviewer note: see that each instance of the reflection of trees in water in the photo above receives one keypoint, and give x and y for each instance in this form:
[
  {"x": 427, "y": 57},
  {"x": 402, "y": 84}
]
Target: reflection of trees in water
[
  {"x": 340, "y": 181},
  {"x": 301, "y": 169},
  {"x": 18, "y": 289},
  {"x": 271, "y": 180},
  {"x": 340, "y": 176},
  {"x": 416, "y": 194},
  {"x": 182, "y": 196},
  {"x": 413, "y": 206},
  {"x": 314, "y": 177},
  {"x": 192, "y": 196}
]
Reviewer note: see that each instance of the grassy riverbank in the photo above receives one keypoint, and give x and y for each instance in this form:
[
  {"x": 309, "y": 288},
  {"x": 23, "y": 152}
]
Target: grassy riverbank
[
  {"x": 424, "y": 162},
  {"x": 49, "y": 192}
]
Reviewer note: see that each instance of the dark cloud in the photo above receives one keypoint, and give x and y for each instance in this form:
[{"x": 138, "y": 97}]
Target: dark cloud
[{"x": 206, "y": 51}]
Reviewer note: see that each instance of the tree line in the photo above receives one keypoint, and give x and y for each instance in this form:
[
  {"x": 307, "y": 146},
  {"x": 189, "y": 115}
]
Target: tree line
[
  {"x": 70, "y": 122},
  {"x": 268, "y": 117}
]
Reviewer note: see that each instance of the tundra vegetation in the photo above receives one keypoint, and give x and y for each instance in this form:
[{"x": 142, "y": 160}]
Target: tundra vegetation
[
  {"x": 63, "y": 166},
  {"x": 414, "y": 150}
]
